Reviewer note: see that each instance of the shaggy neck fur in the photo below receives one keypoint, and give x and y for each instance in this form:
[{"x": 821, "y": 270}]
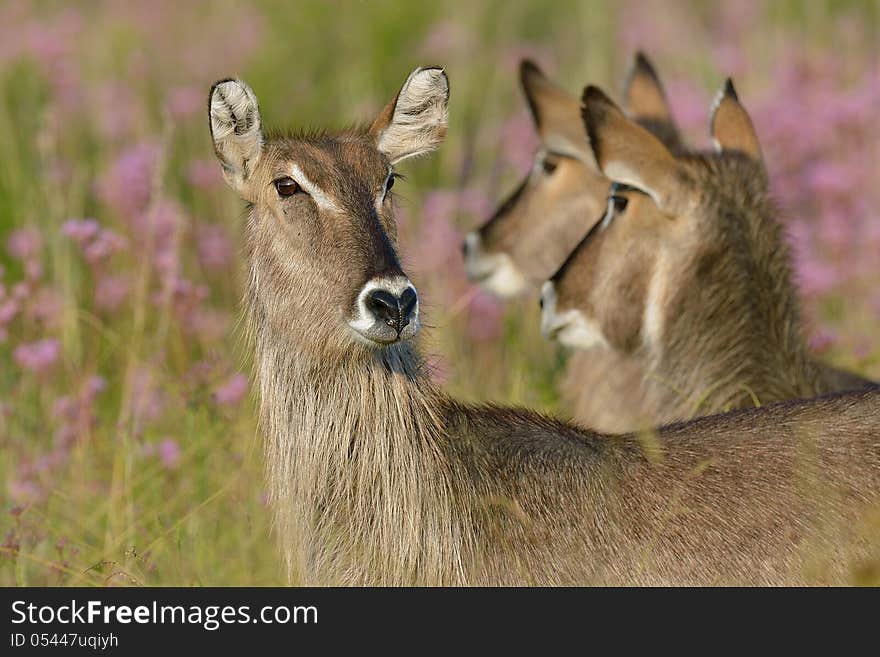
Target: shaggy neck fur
[
  {"x": 734, "y": 337},
  {"x": 359, "y": 487}
]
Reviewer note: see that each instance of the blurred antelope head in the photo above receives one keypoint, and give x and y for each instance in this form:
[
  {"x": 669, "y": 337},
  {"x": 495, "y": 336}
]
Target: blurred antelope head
[
  {"x": 534, "y": 230},
  {"x": 321, "y": 236},
  {"x": 685, "y": 243}
]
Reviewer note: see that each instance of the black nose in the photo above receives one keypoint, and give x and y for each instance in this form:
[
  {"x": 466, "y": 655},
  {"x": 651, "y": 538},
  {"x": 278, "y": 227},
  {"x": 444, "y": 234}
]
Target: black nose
[{"x": 396, "y": 311}]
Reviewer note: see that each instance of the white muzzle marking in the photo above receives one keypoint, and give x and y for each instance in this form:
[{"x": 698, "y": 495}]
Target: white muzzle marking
[
  {"x": 570, "y": 327},
  {"x": 494, "y": 272},
  {"x": 365, "y": 324}
]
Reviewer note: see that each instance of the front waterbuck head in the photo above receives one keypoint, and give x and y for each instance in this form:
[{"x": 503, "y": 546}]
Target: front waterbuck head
[
  {"x": 321, "y": 237},
  {"x": 686, "y": 247},
  {"x": 534, "y": 230}
]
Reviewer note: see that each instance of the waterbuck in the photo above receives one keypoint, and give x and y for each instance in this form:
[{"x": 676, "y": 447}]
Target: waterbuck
[
  {"x": 533, "y": 231},
  {"x": 537, "y": 226},
  {"x": 687, "y": 272},
  {"x": 377, "y": 477}
]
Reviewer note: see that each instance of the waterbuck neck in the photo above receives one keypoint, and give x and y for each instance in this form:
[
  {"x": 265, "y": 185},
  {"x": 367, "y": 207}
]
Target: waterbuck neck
[
  {"x": 734, "y": 337},
  {"x": 359, "y": 485}
]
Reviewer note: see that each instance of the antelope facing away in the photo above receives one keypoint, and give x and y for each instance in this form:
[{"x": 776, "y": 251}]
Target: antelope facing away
[
  {"x": 533, "y": 231},
  {"x": 376, "y": 477},
  {"x": 687, "y": 272}
]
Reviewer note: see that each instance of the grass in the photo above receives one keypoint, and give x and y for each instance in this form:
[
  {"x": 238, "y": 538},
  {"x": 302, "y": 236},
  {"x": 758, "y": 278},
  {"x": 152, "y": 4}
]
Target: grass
[{"x": 155, "y": 480}]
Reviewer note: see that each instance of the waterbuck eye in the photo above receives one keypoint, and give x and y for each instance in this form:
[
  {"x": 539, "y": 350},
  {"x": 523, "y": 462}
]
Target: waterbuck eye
[
  {"x": 619, "y": 203},
  {"x": 389, "y": 183},
  {"x": 549, "y": 166},
  {"x": 287, "y": 186}
]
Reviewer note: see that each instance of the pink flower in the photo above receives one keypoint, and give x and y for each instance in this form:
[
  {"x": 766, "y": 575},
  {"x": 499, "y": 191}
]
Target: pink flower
[
  {"x": 213, "y": 246},
  {"x": 484, "y": 316},
  {"x": 822, "y": 341},
  {"x": 185, "y": 101},
  {"x": 169, "y": 453},
  {"x": 830, "y": 177},
  {"x": 128, "y": 184},
  {"x": 440, "y": 240},
  {"x": 204, "y": 174},
  {"x": 446, "y": 37},
  {"x": 690, "y": 106},
  {"x": 47, "y": 306},
  {"x": 80, "y": 230},
  {"x": 33, "y": 269},
  {"x": 166, "y": 219},
  {"x": 21, "y": 291},
  {"x": 232, "y": 391},
  {"x": 836, "y": 227},
  {"x": 24, "y": 491},
  {"x": 104, "y": 244},
  {"x": 111, "y": 291},
  {"x": 475, "y": 203},
  {"x": 8, "y": 310},
  {"x": 208, "y": 323},
  {"x": 95, "y": 384},
  {"x": 518, "y": 142},
  {"x": 38, "y": 357},
  {"x": 24, "y": 243},
  {"x": 126, "y": 112},
  {"x": 816, "y": 278},
  {"x": 148, "y": 402}
]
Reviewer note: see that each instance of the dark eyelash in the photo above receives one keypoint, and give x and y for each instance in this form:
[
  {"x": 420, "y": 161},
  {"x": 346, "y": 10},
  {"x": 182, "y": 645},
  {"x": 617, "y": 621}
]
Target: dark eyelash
[{"x": 389, "y": 183}]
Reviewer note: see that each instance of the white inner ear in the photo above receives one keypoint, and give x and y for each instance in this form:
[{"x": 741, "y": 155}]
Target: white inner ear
[
  {"x": 716, "y": 103},
  {"x": 420, "y": 116},
  {"x": 236, "y": 126}
]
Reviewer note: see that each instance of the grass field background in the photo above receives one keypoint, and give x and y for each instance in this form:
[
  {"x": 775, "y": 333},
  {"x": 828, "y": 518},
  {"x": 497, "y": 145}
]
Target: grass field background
[{"x": 128, "y": 447}]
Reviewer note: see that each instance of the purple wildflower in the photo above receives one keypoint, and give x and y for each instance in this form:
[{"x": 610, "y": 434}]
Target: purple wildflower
[
  {"x": 38, "y": 357},
  {"x": 25, "y": 243},
  {"x": 213, "y": 246},
  {"x": 204, "y": 174},
  {"x": 231, "y": 391},
  {"x": 111, "y": 291},
  {"x": 169, "y": 453}
]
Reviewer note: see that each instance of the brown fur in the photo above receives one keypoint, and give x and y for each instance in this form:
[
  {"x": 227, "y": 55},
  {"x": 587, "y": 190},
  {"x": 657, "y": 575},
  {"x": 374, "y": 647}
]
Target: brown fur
[
  {"x": 375, "y": 477},
  {"x": 545, "y": 218},
  {"x": 728, "y": 315}
]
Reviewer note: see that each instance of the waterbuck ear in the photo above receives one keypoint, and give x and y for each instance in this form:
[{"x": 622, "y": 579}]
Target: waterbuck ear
[
  {"x": 556, "y": 114},
  {"x": 236, "y": 130},
  {"x": 643, "y": 95},
  {"x": 730, "y": 125},
  {"x": 626, "y": 152},
  {"x": 415, "y": 121}
]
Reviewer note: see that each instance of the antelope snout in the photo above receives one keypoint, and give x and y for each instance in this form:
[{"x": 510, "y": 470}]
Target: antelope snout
[
  {"x": 495, "y": 272},
  {"x": 567, "y": 325},
  {"x": 387, "y": 311},
  {"x": 395, "y": 311}
]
